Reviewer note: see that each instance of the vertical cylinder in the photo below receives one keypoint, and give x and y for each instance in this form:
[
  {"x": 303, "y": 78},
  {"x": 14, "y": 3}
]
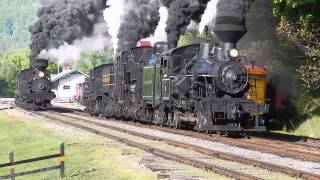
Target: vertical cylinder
[
  {"x": 226, "y": 47},
  {"x": 204, "y": 50}
]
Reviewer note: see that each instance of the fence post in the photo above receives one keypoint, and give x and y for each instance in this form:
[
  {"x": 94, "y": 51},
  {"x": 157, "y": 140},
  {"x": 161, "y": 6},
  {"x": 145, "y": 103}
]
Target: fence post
[
  {"x": 62, "y": 160},
  {"x": 12, "y": 167}
]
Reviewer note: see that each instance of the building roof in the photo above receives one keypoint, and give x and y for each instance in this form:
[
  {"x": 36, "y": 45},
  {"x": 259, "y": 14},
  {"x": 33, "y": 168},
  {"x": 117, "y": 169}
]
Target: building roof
[{"x": 57, "y": 77}]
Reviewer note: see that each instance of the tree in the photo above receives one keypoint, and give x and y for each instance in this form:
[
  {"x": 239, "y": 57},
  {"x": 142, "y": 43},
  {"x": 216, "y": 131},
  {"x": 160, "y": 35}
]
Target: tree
[
  {"x": 89, "y": 60},
  {"x": 10, "y": 65},
  {"x": 53, "y": 68},
  {"x": 193, "y": 36},
  {"x": 299, "y": 26},
  {"x": 16, "y": 17}
]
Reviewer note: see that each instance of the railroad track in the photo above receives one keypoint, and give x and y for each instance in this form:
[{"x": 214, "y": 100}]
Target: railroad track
[
  {"x": 151, "y": 149},
  {"x": 160, "y": 152},
  {"x": 302, "y": 140},
  {"x": 299, "y": 150}
]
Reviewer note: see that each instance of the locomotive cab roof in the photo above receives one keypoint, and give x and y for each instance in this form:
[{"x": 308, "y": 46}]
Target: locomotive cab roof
[
  {"x": 137, "y": 53},
  {"x": 186, "y": 52},
  {"x": 103, "y": 65},
  {"x": 178, "y": 50}
]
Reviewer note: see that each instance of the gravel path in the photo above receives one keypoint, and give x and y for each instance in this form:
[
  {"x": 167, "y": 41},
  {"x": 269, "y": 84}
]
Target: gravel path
[{"x": 307, "y": 166}]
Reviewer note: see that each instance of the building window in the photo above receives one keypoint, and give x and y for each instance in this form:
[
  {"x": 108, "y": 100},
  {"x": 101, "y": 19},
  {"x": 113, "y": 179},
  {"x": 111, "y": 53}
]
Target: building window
[{"x": 66, "y": 87}]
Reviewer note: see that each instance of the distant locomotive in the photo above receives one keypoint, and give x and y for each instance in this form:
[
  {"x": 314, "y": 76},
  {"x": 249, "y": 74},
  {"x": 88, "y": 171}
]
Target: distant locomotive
[{"x": 33, "y": 87}]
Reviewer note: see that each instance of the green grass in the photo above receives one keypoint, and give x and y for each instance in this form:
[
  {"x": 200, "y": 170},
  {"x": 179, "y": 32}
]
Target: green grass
[
  {"x": 307, "y": 121},
  {"x": 309, "y": 128},
  {"x": 87, "y": 156}
]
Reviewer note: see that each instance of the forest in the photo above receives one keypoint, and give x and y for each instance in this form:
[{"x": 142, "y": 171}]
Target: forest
[{"x": 292, "y": 40}]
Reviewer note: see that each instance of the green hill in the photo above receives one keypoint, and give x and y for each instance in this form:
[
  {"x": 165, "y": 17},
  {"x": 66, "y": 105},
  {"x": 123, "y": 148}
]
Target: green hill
[{"x": 15, "y": 18}]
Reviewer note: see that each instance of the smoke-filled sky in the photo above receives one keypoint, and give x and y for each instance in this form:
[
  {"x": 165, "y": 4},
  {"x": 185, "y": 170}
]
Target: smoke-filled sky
[
  {"x": 66, "y": 23},
  {"x": 63, "y": 21}
]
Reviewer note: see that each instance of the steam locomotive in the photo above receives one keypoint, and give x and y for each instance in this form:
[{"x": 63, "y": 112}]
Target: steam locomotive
[
  {"x": 33, "y": 87},
  {"x": 208, "y": 87},
  {"x": 201, "y": 86}
]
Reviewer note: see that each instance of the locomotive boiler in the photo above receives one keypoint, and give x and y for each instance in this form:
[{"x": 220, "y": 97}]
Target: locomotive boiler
[{"x": 33, "y": 87}]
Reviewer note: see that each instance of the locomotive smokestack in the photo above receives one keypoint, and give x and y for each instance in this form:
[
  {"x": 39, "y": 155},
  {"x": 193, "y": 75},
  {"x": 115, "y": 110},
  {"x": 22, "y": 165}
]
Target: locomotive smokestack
[
  {"x": 41, "y": 64},
  {"x": 230, "y": 25}
]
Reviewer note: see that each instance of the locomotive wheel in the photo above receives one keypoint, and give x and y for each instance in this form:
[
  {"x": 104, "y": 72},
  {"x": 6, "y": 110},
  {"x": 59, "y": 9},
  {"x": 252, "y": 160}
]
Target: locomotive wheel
[
  {"x": 170, "y": 120},
  {"x": 164, "y": 120},
  {"x": 156, "y": 117},
  {"x": 160, "y": 116},
  {"x": 175, "y": 122}
]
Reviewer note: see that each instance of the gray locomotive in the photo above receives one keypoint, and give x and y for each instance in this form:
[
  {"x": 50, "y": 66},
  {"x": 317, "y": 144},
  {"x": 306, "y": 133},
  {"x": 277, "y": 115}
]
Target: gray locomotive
[
  {"x": 202, "y": 86},
  {"x": 33, "y": 87}
]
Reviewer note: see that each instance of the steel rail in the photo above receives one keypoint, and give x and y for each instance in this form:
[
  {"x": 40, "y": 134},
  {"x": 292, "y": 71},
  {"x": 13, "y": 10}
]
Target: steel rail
[
  {"x": 213, "y": 153},
  {"x": 158, "y": 152},
  {"x": 282, "y": 148}
]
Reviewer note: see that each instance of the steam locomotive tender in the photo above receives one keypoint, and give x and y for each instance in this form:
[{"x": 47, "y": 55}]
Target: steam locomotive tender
[{"x": 33, "y": 87}]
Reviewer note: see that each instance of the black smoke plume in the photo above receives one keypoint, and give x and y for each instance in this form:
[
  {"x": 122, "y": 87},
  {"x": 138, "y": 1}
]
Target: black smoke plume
[
  {"x": 139, "y": 21},
  {"x": 230, "y": 23},
  {"x": 234, "y": 7},
  {"x": 64, "y": 21},
  {"x": 180, "y": 15}
]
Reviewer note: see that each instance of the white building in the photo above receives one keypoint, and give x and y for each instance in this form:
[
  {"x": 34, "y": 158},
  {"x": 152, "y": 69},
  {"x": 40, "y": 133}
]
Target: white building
[{"x": 67, "y": 86}]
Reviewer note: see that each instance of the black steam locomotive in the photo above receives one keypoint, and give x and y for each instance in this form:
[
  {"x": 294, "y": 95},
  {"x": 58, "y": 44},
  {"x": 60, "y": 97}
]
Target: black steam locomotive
[
  {"x": 207, "y": 87},
  {"x": 192, "y": 86},
  {"x": 33, "y": 87}
]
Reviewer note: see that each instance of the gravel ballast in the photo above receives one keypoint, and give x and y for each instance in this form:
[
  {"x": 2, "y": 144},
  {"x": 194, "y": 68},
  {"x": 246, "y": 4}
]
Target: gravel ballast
[{"x": 308, "y": 166}]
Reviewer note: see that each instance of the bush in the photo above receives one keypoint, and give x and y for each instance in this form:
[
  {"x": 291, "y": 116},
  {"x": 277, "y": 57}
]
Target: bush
[{"x": 10, "y": 65}]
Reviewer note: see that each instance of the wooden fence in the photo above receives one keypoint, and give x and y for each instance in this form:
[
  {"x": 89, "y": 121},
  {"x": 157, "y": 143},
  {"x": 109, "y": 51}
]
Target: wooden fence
[
  {"x": 12, "y": 165},
  {"x": 6, "y": 104}
]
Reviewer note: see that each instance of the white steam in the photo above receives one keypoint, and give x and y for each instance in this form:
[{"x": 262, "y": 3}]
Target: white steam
[
  {"x": 70, "y": 54},
  {"x": 209, "y": 14},
  {"x": 160, "y": 34},
  {"x": 112, "y": 16}
]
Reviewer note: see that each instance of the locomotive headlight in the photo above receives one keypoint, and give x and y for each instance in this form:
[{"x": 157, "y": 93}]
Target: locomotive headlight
[
  {"x": 41, "y": 74},
  {"x": 233, "y": 53}
]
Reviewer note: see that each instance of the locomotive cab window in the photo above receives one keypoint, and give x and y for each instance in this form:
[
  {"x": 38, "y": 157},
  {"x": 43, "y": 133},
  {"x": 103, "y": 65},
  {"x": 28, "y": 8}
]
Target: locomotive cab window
[
  {"x": 164, "y": 62},
  {"x": 66, "y": 87},
  {"x": 176, "y": 64}
]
